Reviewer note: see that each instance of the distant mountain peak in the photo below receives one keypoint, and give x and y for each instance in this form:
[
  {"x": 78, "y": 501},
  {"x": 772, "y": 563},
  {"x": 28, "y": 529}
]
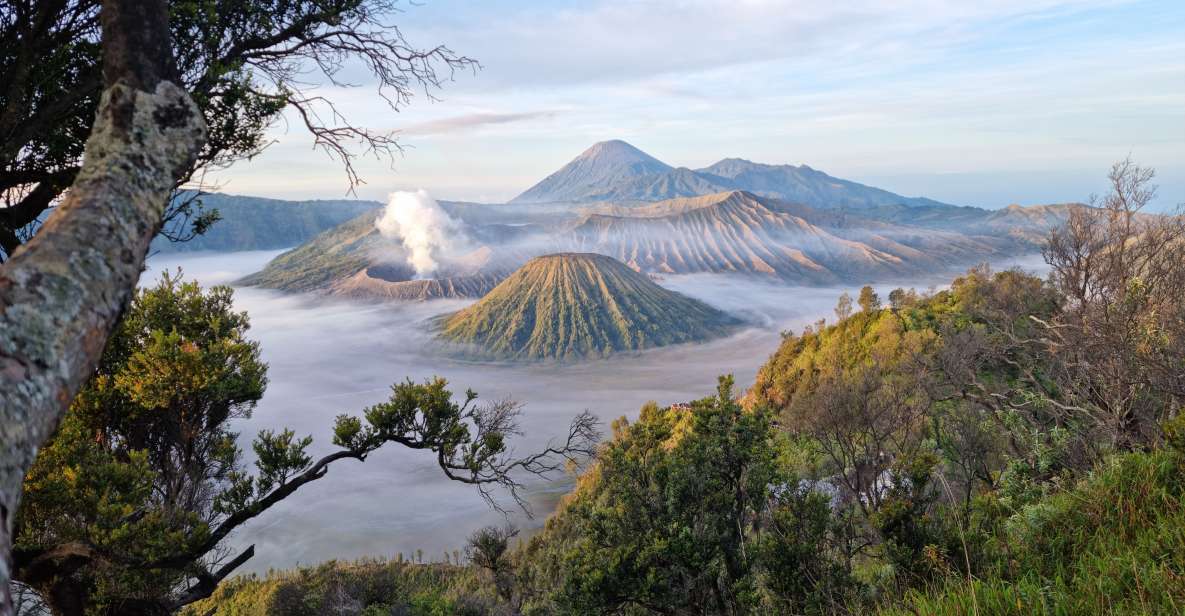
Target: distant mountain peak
[
  {"x": 615, "y": 148},
  {"x": 605, "y": 163}
]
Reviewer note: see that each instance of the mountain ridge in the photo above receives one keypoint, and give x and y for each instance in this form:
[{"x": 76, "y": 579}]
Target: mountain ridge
[
  {"x": 616, "y": 171},
  {"x": 740, "y": 232},
  {"x": 735, "y": 232}
]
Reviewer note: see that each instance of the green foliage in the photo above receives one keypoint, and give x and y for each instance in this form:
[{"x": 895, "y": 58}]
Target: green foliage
[
  {"x": 878, "y": 339},
  {"x": 868, "y": 299},
  {"x": 488, "y": 548},
  {"x": 971, "y": 481},
  {"x": 364, "y": 588},
  {"x": 1113, "y": 543},
  {"x": 903, "y": 518},
  {"x": 280, "y": 457},
  {"x": 425, "y": 416},
  {"x": 570, "y": 306},
  {"x": 144, "y": 444},
  {"x": 799, "y": 573},
  {"x": 671, "y": 519}
]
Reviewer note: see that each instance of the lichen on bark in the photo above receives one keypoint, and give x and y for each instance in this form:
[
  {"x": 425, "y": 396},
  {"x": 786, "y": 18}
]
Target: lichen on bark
[{"x": 61, "y": 293}]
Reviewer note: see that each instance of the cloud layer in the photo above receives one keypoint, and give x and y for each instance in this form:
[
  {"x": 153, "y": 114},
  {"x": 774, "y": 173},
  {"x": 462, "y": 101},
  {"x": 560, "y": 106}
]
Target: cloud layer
[{"x": 929, "y": 89}]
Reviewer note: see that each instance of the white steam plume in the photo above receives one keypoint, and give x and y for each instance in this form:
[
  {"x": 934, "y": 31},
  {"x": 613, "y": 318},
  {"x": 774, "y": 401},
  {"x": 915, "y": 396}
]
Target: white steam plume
[{"x": 427, "y": 232}]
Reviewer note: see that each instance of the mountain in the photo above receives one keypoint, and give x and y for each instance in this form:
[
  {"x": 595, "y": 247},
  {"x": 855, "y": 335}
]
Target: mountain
[
  {"x": 741, "y": 232},
  {"x": 354, "y": 260},
  {"x": 604, "y": 164},
  {"x": 805, "y": 185},
  {"x": 572, "y": 305},
  {"x": 1030, "y": 224},
  {"x": 1027, "y": 224},
  {"x": 333, "y": 255},
  {"x": 255, "y": 223},
  {"x": 371, "y": 283},
  {"x": 615, "y": 171},
  {"x": 727, "y": 232},
  {"x": 681, "y": 182}
]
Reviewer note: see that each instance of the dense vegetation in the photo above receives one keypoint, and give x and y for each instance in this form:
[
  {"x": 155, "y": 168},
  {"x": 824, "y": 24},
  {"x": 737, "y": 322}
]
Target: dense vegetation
[
  {"x": 127, "y": 507},
  {"x": 571, "y": 305},
  {"x": 1009, "y": 445},
  {"x": 369, "y": 588}
]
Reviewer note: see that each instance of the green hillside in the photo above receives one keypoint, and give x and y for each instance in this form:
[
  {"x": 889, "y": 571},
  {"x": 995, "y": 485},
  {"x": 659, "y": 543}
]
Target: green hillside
[
  {"x": 574, "y": 305},
  {"x": 334, "y": 254},
  {"x": 255, "y": 223}
]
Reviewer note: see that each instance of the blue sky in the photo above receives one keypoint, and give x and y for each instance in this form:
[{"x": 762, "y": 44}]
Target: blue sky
[{"x": 974, "y": 102}]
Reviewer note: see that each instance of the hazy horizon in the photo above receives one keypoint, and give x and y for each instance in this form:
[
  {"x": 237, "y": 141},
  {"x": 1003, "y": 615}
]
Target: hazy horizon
[{"x": 986, "y": 104}]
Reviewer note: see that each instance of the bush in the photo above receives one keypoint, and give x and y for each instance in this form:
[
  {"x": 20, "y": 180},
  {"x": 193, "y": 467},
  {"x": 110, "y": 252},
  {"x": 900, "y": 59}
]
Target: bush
[
  {"x": 365, "y": 588},
  {"x": 1114, "y": 543}
]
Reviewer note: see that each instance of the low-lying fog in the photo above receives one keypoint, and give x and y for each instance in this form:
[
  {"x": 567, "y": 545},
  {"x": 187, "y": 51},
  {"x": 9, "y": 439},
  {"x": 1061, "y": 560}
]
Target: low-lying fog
[{"x": 328, "y": 358}]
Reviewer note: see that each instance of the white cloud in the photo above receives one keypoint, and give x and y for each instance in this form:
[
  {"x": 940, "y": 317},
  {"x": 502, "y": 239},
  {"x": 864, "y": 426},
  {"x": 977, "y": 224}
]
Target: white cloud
[
  {"x": 863, "y": 88},
  {"x": 471, "y": 121}
]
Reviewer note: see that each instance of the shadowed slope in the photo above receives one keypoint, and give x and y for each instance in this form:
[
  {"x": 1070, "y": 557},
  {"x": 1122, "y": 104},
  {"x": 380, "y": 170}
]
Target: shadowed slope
[
  {"x": 573, "y": 305},
  {"x": 337, "y": 253}
]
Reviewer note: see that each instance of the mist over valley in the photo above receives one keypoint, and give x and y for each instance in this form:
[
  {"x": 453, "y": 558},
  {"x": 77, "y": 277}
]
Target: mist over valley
[
  {"x": 329, "y": 355},
  {"x": 445, "y": 308},
  {"x": 387, "y": 294}
]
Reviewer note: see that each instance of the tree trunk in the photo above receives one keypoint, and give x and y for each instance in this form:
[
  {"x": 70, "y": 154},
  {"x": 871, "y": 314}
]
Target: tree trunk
[{"x": 62, "y": 292}]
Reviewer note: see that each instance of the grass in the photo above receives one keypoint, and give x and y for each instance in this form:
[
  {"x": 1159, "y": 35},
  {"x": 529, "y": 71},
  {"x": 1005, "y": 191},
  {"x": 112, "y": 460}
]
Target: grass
[
  {"x": 361, "y": 588},
  {"x": 1113, "y": 544}
]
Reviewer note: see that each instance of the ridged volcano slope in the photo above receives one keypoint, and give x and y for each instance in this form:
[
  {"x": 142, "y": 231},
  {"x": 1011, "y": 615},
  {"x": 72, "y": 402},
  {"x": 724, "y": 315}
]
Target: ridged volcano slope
[
  {"x": 739, "y": 232},
  {"x": 580, "y": 305}
]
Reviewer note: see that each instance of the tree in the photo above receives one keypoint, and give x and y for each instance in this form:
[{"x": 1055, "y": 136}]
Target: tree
[
  {"x": 861, "y": 401},
  {"x": 127, "y": 506},
  {"x": 487, "y": 548},
  {"x": 797, "y": 559},
  {"x": 869, "y": 300},
  {"x": 1089, "y": 362},
  {"x": 142, "y": 455},
  {"x": 242, "y": 63},
  {"x": 663, "y": 522},
  {"x": 843, "y": 307},
  {"x": 60, "y": 295},
  {"x": 1119, "y": 341}
]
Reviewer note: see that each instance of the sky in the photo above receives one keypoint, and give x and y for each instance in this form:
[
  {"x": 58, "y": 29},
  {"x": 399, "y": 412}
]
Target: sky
[{"x": 984, "y": 103}]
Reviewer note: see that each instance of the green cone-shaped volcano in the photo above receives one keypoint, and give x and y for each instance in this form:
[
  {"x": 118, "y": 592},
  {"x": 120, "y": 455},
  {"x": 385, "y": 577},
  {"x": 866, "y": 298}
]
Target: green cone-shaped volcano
[{"x": 576, "y": 305}]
